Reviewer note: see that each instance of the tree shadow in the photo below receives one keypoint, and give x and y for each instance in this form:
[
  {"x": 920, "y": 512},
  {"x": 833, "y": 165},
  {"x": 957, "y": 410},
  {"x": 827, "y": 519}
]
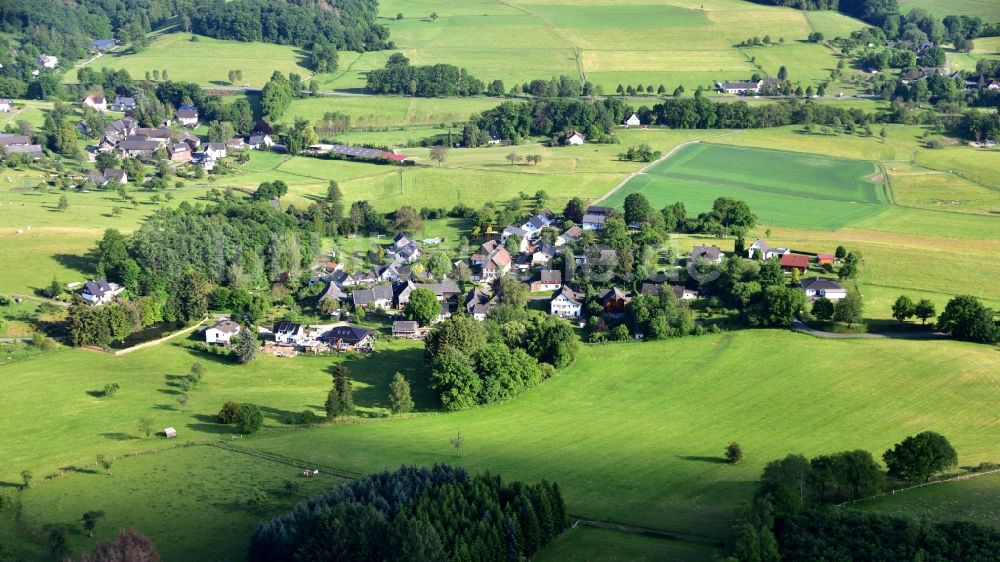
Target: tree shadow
[
  {"x": 377, "y": 370},
  {"x": 118, "y": 436},
  {"x": 96, "y": 393},
  {"x": 166, "y": 407},
  {"x": 216, "y": 428},
  {"x": 83, "y": 263},
  {"x": 279, "y": 415},
  {"x": 9, "y": 484},
  {"x": 712, "y": 460},
  {"x": 168, "y": 391},
  {"x": 79, "y": 470}
]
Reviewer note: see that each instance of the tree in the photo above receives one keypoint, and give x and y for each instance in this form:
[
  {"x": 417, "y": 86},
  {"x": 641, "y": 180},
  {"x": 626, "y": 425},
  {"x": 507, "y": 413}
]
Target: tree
[
  {"x": 849, "y": 269},
  {"x": 340, "y": 400},
  {"x": 400, "y": 401},
  {"x": 903, "y": 308},
  {"x": 920, "y": 456},
  {"x": 822, "y": 308},
  {"x": 840, "y": 253},
  {"x": 552, "y": 341},
  {"x": 104, "y": 463},
  {"x": 965, "y": 318},
  {"x": 110, "y": 390},
  {"x": 245, "y": 346},
  {"x": 923, "y": 310},
  {"x": 323, "y": 58},
  {"x": 849, "y": 309},
  {"x": 145, "y": 427},
  {"x": 439, "y": 153},
  {"x": 248, "y": 418},
  {"x": 734, "y": 453},
  {"x": 63, "y": 202},
  {"x": 637, "y": 208},
  {"x": 229, "y": 412},
  {"x": 129, "y": 545},
  {"x": 423, "y": 306},
  {"x": 256, "y": 500},
  {"x": 460, "y": 332},
  {"x": 456, "y": 442},
  {"x": 574, "y": 210},
  {"x": 220, "y": 131},
  {"x": 90, "y": 520},
  {"x": 26, "y": 478},
  {"x": 513, "y": 157}
]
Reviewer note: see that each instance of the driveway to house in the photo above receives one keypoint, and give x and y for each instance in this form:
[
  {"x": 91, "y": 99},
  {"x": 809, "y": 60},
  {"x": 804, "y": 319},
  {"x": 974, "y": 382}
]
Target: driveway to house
[{"x": 800, "y": 326}]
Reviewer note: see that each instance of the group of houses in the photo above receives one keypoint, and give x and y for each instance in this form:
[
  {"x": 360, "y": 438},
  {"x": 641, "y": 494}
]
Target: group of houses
[
  {"x": 288, "y": 338},
  {"x": 814, "y": 287},
  {"x": 747, "y": 87},
  {"x": 19, "y": 144}
]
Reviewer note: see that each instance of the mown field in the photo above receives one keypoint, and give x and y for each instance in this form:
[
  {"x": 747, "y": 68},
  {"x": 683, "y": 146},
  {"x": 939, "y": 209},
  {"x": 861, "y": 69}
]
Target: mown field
[
  {"x": 782, "y": 188},
  {"x": 662, "y": 421},
  {"x": 987, "y": 9}
]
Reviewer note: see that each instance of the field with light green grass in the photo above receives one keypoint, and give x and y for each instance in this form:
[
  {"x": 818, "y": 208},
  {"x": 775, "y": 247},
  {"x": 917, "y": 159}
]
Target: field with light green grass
[
  {"x": 809, "y": 192},
  {"x": 694, "y": 395},
  {"x": 369, "y": 111},
  {"x": 32, "y": 111},
  {"x": 206, "y": 61},
  {"x": 987, "y": 9},
  {"x": 972, "y": 500},
  {"x": 917, "y": 186}
]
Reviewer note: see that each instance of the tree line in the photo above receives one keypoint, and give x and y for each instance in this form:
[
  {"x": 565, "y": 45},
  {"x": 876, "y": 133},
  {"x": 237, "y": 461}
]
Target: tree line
[
  {"x": 549, "y": 117},
  {"x": 438, "y": 513},
  {"x": 425, "y": 81}
]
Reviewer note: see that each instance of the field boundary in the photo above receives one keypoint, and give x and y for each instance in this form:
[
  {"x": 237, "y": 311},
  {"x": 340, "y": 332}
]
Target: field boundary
[{"x": 895, "y": 491}]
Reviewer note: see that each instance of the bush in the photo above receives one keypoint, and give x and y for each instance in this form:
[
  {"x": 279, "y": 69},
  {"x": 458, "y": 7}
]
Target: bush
[
  {"x": 734, "y": 453},
  {"x": 248, "y": 418},
  {"x": 308, "y": 417},
  {"x": 228, "y": 413},
  {"x": 110, "y": 390}
]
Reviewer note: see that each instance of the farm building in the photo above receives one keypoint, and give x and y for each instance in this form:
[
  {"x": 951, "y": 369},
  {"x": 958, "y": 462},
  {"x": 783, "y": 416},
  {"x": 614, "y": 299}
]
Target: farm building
[
  {"x": 633, "y": 121},
  {"x": 405, "y": 329},
  {"x": 818, "y": 287},
  {"x": 748, "y": 87},
  {"x": 221, "y": 332},
  {"x": 356, "y": 152},
  {"x": 574, "y": 138},
  {"x": 794, "y": 261},
  {"x": 824, "y": 259}
]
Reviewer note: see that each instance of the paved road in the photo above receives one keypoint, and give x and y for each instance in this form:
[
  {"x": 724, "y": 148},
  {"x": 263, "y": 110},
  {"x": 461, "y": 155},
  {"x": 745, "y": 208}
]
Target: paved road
[{"x": 800, "y": 326}]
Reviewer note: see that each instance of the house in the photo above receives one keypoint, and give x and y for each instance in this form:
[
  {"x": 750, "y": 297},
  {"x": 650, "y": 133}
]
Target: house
[
  {"x": 102, "y": 178},
  {"x": 48, "y": 61},
  {"x": 543, "y": 254},
  {"x": 96, "y": 102},
  {"x": 33, "y": 150},
  {"x": 707, "y": 253},
  {"x": 548, "y": 280},
  {"x": 216, "y": 150},
  {"x": 683, "y": 294},
  {"x": 6, "y": 105},
  {"x": 99, "y": 291},
  {"x": 570, "y": 235},
  {"x": 794, "y": 261},
  {"x": 221, "y": 332},
  {"x": 204, "y": 160},
  {"x": 179, "y": 152},
  {"x": 764, "y": 250},
  {"x": 483, "y": 253},
  {"x": 378, "y": 296},
  {"x": 235, "y": 143},
  {"x": 161, "y": 134},
  {"x": 335, "y": 293},
  {"x": 521, "y": 263},
  {"x": 188, "y": 116},
  {"x": 349, "y": 338},
  {"x": 102, "y": 45},
  {"x": 818, "y": 287},
  {"x": 594, "y": 217},
  {"x": 403, "y": 250},
  {"x": 537, "y": 222},
  {"x": 119, "y": 130},
  {"x": 574, "y": 138},
  {"x": 8, "y": 140},
  {"x": 288, "y": 333},
  {"x": 522, "y": 235},
  {"x": 186, "y": 137},
  {"x": 566, "y": 303},
  {"x": 613, "y": 300},
  {"x": 405, "y": 329},
  {"x": 993, "y": 85},
  {"x": 123, "y": 103},
  {"x": 478, "y": 304},
  {"x": 139, "y": 146},
  {"x": 824, "y": 259},
  {"x": 260, "y": 141},
  {"x": 748, "y": 87},
  {"x": 633, "y": 121},
  {"x": 497, "y": 266}
]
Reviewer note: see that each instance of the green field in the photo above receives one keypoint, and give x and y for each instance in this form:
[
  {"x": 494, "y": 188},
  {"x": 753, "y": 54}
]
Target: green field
[
  {"x": 987, "y": 9},
  {"x": 589, "y": 544},
  {"x": 662, "y": 421},
  {"x": 374, "y": 112},
  {"x": 972, "y": 500},
  {"x": 815, "y": 192}
]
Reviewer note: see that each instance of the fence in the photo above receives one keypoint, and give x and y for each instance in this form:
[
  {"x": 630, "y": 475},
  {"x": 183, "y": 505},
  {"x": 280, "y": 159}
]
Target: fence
[{"x": 901, "y": 490}]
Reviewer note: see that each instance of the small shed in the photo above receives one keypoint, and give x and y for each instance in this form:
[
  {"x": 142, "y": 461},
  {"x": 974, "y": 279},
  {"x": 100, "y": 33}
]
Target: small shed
[
  {"x": 170, "y": 432},
  {"x": 824, "y": 259}
]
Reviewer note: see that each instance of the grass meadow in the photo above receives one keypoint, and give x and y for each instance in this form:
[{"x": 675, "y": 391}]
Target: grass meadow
[
  {"x": 663, "y": 421},
  {"x": 972, "y": 500},
  {"x": 812, "y": 192},
  {"x": 590, "y": 544},
  {"x": 956, "y": 7}
]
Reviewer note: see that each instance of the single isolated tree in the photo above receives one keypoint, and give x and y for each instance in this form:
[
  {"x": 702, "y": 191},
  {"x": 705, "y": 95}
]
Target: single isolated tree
[
  {"x": 734, "y": 453},
  {"x": 145, "y": 427},
  {"x": 90, "y": 520},
  {"x": 456, "y": 442},
  {"x": 400, "y": 401},
  {"x": 439, "y": 153},
  {"x": 513, "y": 157},
  {"x": 923, "y": 310},
  {"x": 920, "y": 456}
]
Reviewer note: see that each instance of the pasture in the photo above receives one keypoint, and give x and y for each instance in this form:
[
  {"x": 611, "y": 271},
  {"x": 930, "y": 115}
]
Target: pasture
[
  {"x": 383, "y": 111},
  {"x": 589, "y": 544},
  {"x": 972, "y": 500},
  {"x": 662, "y": 421},
  {"x": 982, "y": 8},
  {"x": 813, "y": 191}
]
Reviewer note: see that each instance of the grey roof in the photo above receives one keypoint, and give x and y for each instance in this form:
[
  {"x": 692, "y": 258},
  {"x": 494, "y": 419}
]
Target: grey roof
[
  {"x": 739, "y": 85},
  {"x": 570, "y": 295},
  {"x": 226, "y": 326},
  {"x": 593, "y": 218},
  {"x": 9, "y": 140},
  {"x": 357, "y": 151},
  {"x": 550, "y": 276},
  {"x": 821, "y": 284},
  {"x": 287, "y": 328},
  {"x": 650, "y": 289},
  {"x": 146, "y": 145},
  {"x": 477, "y": 302},
  {"x": 442, "y": 289},
  {"x": 348, "y": 333},
  {"x": 32, "y": 149},
  {"x": 376, "y": 293},
  {"x": 258, "y": 139},
  {"x": 706, "y": 252},
  {"x": 404, "y": 326},
  {"x": 217, "y": 146},
  {"x": 333, "y": 292},
  {"x": 574, "y": 232},
  {"x": 125, "y": 101},
  {"x": 614, "y": 293},
  {"x": 97, "y": 287},
  {"x": 595, "y": 210},
  {"x": 187, "y": 112}
]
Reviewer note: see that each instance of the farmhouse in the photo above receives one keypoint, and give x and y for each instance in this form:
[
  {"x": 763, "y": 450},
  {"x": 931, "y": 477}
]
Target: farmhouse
[
  {"x": 763, "y": 250},
  {"x": 123, "y": 103},
  {"x": 708, "y": 253},
  {"x": 188, "y": 116},
  {"x": 574, "y": 138},
  {"x": 221, "y": 332},
  {"x": 748, "y": 87},
  {"x": 405, "y": 329},
  {"x": 260, "y": 141},
  {"x": 794, "y": 261},
  {"x": 48, "y": 61},
  {"x": 349, "y": 338},
  {"x": 818, "y": 287},
  {"x": 594, "y": 217},
  {"x": 288, "y": 333},
  {"x": 548, "y": 280},
  {"x": 6, "y": 105},
  {"x": 566, "y": 303},
  {"x": 96, "y": 102},
  {"x": 633, "y": 121},
  {"x": 379, "y": 296},
  {"x": 478, "y": 304},
  {"x": 99, "y": 291}
]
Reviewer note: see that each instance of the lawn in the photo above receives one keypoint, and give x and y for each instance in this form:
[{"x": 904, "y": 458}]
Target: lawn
[
  {"x": 699, "y": 173},
  {"x": 190, "y": 500},
  {"x": 972, "y": 500}
]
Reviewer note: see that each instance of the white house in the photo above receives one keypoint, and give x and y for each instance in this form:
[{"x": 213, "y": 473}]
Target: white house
[
  {"x": 748, "y": 87},
  {"x": 99, "y": 291},
  {"x": 260, "y": 141},
  {"x": 6, "y": 105},
  {"x": 566, "y": 303},
  {"x": 574, "y": 138},
  {"x": 766, "y": 252},
  {"x": 633, "y": 121},
  {"x": 594, "y": 217},
  {"x": 188, "y": 116},
  {"x": 221, "y": 332},
  {"x": 48, "y": 61},
  {"x": 97, "y": 102},
  {"x": 818, "y": 287},
  {"x": 538, "y": 222},
  {"x": 288, "y": 333},
  {"x": 548, "y": 280},
  {"x": 216, "y": 150}
]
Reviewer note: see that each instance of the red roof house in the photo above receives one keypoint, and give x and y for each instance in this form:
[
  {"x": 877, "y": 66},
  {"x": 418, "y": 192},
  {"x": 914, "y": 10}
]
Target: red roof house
[{"x": 795, "y": 261}]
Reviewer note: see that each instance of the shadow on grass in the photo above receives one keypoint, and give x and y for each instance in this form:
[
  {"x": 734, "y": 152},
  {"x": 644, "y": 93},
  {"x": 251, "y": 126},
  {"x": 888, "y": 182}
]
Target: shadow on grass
[
  {"x": 96, "y": 393},
  {"x": 214, "y": 428},
  {"x": 168, "y": 391},
  {"x": 375, "y": 374},
  {"x": 166, "y": 407},
  {"x": 118, "y": 436},
  {"x": 79, "y": 470},
  {"x": 9, "y": 484},
  {"x": 713, "y": 460},
  {"x": 82, "y": 263}
]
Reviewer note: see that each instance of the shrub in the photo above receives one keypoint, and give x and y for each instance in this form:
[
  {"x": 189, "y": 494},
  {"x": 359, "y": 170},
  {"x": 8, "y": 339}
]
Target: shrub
[
  {"x": 734, "y": 453},
  {"x": 110, "y": 390},
  {"x": 248, "y": 418},
  {"x": 228, "y": 412}
]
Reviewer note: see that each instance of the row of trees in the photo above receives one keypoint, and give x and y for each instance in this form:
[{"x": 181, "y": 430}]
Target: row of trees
[
  {"x": 438, "y": 513},
  {"x": 547, "y": 117},
  {"x": 425, "y": 81}
]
